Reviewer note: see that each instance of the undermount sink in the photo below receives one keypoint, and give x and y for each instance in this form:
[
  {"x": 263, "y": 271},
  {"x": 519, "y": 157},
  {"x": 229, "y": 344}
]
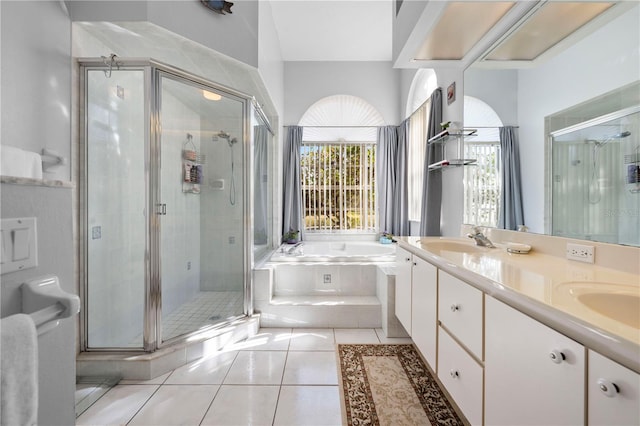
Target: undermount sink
[
  {"x": 452, "y": 246},
  {"x": 616, "y": 301}
]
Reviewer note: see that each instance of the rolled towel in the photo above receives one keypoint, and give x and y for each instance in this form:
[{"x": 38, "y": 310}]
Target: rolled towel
[
  {"x": 18, "y": 371},
  {"x": 20, "y": 163}
]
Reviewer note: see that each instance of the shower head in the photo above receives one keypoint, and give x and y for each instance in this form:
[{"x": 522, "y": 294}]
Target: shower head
[
  {"x": 608, "y": 139},
  {"x": 621, "y": 135},
  {"x": 224, "y": 135}
]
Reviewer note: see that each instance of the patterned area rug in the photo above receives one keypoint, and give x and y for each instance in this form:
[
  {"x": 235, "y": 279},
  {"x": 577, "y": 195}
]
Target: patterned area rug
[{"x": 390, "y": 385}]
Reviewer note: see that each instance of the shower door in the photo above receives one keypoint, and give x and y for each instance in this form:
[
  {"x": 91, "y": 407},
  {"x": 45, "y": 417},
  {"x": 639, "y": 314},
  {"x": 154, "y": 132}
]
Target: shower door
[
  {"x": 114, "y": 202},
  {"x": 201, "y": 202}
]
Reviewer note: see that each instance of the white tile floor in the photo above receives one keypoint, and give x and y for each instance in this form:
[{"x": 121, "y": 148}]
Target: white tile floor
[{"x": 278, "y": 377}]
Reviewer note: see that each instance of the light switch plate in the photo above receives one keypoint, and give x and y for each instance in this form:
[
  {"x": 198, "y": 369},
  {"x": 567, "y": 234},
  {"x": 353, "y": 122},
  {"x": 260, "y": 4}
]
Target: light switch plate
[{"x": 19, "y": 244}]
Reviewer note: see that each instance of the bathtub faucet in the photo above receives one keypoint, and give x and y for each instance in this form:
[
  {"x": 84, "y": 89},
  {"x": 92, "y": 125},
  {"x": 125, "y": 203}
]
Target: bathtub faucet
[
  {"x": 480, "y": 238},
  {"x": 291, "y": 250}
]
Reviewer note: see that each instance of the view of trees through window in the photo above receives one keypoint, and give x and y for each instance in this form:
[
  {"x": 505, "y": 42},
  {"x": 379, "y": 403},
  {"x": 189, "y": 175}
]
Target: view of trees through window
[
  {"x": 338, "y": 186},
  {"x": 482, "y": 184}
]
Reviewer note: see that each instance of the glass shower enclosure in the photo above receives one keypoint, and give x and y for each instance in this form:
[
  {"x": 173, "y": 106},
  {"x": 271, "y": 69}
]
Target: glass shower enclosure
[
  {"x": 165, "y": 218},
  {"x": 595, "y": 179}
]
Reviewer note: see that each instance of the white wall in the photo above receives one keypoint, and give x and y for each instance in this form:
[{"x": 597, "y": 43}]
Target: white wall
[
  {"x": 605, "y": 60},
  {"x": 497, "y": 88},
  {"x": 36, "y": 79},
  {"x": 36, "y": 113},
  {"x": 308, "y": 82},
  {"x": 452, "y": 178},
  {"x": 270, "y": 64}
]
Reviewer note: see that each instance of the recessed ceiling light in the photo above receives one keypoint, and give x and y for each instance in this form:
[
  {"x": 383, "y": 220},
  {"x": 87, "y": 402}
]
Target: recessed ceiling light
[
  {"x": 460, "y": 27},
  {"x": 549, "y": 25}
]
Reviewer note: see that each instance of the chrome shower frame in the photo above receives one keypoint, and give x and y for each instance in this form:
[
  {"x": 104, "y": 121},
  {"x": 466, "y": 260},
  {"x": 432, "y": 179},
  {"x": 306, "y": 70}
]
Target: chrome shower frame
[{"x": 153, "y": 71}]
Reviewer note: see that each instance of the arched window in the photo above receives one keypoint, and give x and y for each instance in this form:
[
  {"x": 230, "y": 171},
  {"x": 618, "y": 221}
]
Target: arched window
[
  {"x": 482, "y": 184},
  {"x": 337, "y": 160},
  {"x": 424, "y": 83},
  {"x": 341, "y": 117}
]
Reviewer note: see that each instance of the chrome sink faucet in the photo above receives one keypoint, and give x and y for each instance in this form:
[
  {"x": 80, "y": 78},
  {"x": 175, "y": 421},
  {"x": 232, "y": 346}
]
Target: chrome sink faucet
[{"x": 480, "y": 238}]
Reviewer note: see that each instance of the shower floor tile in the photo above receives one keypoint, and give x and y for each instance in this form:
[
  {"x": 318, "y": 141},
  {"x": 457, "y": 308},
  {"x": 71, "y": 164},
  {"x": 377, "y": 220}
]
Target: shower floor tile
[{"x": 208, "y": 307}]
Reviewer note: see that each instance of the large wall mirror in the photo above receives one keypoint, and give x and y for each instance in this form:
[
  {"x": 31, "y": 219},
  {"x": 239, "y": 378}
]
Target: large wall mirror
[{"x": 576, "y": 112}]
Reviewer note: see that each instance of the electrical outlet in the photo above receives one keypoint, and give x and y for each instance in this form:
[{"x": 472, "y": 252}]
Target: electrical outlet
[{"x": 581, "y": 253}]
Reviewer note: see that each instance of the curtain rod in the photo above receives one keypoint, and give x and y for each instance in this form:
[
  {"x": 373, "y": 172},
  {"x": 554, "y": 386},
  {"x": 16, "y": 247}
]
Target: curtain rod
[
  {"x": 337, "y": 127},
  {"x": 489, "y": 127}
]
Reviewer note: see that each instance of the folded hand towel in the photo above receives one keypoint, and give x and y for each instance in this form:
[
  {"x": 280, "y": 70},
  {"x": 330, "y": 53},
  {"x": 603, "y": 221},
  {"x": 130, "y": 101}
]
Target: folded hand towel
[
  {"x": 18, "y": 371},
  {"x": 20, "y": 163}
]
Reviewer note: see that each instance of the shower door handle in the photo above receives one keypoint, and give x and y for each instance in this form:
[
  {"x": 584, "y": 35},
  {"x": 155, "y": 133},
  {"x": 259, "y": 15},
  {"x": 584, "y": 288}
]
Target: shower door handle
[{"x": 161, "y": 209}]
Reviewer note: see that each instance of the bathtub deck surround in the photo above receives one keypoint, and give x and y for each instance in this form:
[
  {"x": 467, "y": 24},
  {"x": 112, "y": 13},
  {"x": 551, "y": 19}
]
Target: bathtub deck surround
[{"x": 328, "y": 284}]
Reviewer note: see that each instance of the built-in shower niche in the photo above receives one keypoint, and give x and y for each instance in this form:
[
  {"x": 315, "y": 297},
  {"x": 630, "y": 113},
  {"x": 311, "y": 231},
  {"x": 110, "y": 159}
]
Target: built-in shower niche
[{"x": 594, "y": 179}]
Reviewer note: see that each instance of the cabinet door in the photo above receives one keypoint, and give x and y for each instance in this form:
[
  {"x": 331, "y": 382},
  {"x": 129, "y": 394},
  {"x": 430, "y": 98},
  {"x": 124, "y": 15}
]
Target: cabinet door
[
  {"x": 613, "y": 393},
  {"x": 404, "y": 265},
  {"x": 527, "y": 381},
  {"x": 424, "y": 321}
]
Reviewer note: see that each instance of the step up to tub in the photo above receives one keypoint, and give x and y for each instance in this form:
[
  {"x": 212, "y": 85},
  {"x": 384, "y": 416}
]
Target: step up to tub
[
  {"x": 325, "y": 300},
  {"x": 321, "y": 311}
]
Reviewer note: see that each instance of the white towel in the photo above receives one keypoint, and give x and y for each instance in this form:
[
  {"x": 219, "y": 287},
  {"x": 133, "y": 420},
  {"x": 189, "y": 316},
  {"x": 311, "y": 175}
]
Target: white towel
[
  {"x": 20, "y": 163},
  {"x": 18, "y": 371}
]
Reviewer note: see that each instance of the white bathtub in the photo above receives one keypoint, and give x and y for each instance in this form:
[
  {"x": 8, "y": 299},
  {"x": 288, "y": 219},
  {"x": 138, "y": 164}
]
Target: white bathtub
[
  {"x": 324, "y": 284},
  {"x": 336, "y": 252}
]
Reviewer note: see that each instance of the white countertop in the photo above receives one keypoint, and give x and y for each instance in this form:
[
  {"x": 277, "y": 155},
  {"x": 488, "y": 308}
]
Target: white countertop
[{"x": 544, "y": 287}]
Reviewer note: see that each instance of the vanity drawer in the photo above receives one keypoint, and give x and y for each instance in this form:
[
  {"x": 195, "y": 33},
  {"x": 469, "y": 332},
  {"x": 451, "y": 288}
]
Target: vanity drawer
[
  {"x": 460, "y": 310},
  {"x": 462, "y": 376}
]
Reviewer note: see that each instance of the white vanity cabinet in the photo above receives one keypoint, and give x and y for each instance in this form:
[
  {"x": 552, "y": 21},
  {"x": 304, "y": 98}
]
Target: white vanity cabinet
[
  {"x": 460, "y": 341},
  {"x": 416, "y": 301},
  {"x": 533, "y": 374},
  {"x": 613, "y": 393}
]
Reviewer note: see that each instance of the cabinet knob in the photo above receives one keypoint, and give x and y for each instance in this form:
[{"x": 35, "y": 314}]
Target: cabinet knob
[
  {"x": 454, "y": 374},
  {"x": 415, "y": 263},
  {"x": 407, "y": 259},
  {"x": 455, "y": 307},
  {"x": 556, "y": 356},
  {"x": 608, "y": 388}
]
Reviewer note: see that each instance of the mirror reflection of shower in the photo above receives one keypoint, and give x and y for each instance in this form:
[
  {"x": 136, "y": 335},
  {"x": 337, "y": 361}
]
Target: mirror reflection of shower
[
  {"x": 594, "y": 184},
  {"x": 231, "y": 142}
]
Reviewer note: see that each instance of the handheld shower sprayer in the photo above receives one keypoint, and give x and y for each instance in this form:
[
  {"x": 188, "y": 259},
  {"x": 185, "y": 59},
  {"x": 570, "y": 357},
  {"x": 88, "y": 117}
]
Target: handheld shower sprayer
[
  {"x": 230, "y": 141},
  {"x": 594, "y": 184}
]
